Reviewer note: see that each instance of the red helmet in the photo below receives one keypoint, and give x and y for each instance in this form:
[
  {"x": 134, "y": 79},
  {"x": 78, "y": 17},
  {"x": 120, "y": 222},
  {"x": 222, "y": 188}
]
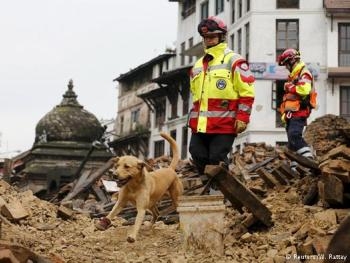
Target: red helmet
[
  {"x": 210, "y": 25},
  {"x": 290, "y": 55}
]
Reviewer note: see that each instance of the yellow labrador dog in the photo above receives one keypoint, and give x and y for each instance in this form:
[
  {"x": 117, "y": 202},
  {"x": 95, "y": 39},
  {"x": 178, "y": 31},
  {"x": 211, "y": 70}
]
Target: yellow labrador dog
[{"x": 143, "y": 188}]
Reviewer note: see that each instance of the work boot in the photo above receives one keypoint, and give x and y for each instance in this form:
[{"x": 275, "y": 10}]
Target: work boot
[{"x": 306, "y": 152}]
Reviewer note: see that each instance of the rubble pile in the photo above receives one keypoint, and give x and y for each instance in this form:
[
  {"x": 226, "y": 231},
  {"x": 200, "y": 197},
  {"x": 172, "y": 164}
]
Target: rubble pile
[
  {"x": 330, "y": 137},
  {"x": 327, "y": 132},
  {"x": 306, "y": 209},
  {"x": 297, "y": 229}
]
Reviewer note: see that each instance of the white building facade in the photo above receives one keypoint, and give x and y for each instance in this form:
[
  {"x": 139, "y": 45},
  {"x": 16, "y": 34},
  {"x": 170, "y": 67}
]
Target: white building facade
[{"x": 260, "y": 31}]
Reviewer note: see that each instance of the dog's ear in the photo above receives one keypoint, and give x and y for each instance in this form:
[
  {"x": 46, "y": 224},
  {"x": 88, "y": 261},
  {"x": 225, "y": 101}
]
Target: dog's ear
[{"x": 115, "y": 159}]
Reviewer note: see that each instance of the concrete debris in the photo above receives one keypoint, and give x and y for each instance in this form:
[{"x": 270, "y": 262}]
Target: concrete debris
[{"x": 306, "y": 208}]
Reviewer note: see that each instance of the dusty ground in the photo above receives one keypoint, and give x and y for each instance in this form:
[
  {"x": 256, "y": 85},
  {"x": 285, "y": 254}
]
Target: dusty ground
[
  {"x": 297, "y": 228},
  {"x": 78, "y": 241}
]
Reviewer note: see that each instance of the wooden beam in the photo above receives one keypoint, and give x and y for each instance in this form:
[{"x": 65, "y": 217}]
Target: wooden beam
[
  {"x": 302, "y": 160},
  {"x": 89, "y": 181},
  {"x": 263, "y": 163},
  {"x": 280, "y": 177},
  {"x": 268, "y": 178},
  {"x": 234, "y": 190},
  {"x": 285, "y": 169}
]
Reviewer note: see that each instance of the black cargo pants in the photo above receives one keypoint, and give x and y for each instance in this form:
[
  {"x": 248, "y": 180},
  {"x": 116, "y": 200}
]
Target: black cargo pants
[{"x": 210, "y": 149}]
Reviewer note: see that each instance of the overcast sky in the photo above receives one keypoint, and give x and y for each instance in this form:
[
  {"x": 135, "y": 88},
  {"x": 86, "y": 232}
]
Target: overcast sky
[{"x": 45, "y": 43}]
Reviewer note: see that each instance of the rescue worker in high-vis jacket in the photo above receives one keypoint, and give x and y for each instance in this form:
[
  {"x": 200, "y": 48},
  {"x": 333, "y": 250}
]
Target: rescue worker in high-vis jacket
[
  {"x": 298, "y": 101},
  {"x": 222, "y": 88}
]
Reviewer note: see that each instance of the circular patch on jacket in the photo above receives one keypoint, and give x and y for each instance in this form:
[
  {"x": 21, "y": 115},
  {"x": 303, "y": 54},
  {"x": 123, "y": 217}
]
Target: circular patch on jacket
[{"x": 221, "y": 84}]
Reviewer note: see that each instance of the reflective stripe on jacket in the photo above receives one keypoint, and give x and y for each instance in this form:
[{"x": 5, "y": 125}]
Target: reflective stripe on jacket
[{"x": 222, "y": 89}]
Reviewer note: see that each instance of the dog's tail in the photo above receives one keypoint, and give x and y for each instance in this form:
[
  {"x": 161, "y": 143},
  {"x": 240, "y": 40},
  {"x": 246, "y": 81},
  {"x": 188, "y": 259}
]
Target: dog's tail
[{"x": 174, "y": 148}]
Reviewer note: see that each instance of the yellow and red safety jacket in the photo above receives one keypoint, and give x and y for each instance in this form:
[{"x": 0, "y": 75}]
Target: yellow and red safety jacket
[
  {"x": 294, "y": 102},
  {"x": 222, "y": 88}
]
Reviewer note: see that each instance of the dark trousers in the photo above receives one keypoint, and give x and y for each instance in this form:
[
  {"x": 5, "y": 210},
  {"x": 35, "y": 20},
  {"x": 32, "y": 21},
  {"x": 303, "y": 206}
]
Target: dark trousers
[
  {"x": 210, "y": 149},
  {"x": 294, "y": 129}
]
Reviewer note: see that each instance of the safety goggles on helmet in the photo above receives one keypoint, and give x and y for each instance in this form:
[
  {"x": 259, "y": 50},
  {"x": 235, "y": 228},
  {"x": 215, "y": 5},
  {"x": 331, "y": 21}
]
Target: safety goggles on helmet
[{"x": 290, "y": 55}]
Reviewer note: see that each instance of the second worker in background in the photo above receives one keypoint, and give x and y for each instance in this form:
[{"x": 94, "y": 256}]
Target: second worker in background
[
  {"x": 298, "y": 101},
  {"x": 222, "y": 88}
]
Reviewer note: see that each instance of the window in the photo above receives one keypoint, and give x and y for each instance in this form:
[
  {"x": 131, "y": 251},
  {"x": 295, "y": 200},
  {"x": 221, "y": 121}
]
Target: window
[
  {"x": 185, "y": 98},
  {"x": 287, "y": 35},
  {"x": 188, "y": 8},
  {"x": 184, "y": 143},
  {"x": 344, "y": 45},
  {"x": 158, "y": 148},
  {"x": 239, "y": 41},
  {"x": 219, "y": 6},
  {"x": 233, "y": 11},
  {"x": 182, "y": 56},
  {"x": 121, "y": 124},
  {"x": 345, "y": 102},
  {"x": 232, "y": 41},
  {"x": 173, "y": 135},
  {"x": 160, "y": 69},
  {"x": 173, "y": 103},
  {"x": 239, "y": 8},
  {"x": 246, "y": 41},
  {"x": 287, "y": 3},
  {"x": 160, "y": 111},
  {"x": 135, "y": 115},
  {"x": 204, "y": 10},
  {"x": 248, "y": 5},
  {"x": 190, "y": 44}
]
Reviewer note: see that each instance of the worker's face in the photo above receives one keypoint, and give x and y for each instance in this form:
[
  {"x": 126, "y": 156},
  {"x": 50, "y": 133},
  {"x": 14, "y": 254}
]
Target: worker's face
[{"x": 210, "y": 40}]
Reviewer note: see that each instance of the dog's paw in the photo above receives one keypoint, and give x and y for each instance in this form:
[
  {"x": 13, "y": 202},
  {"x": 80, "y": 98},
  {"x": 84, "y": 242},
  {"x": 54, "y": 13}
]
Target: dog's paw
[
  {"x": 130, "y": 239},
  {"x": 103, "y": 223}
]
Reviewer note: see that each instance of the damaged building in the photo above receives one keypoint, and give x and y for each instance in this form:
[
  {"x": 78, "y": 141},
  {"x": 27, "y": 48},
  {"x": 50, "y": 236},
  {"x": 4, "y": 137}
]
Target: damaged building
[
  {"x": 65, "y": 146},
  {"x": 138, "y": 97}
]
